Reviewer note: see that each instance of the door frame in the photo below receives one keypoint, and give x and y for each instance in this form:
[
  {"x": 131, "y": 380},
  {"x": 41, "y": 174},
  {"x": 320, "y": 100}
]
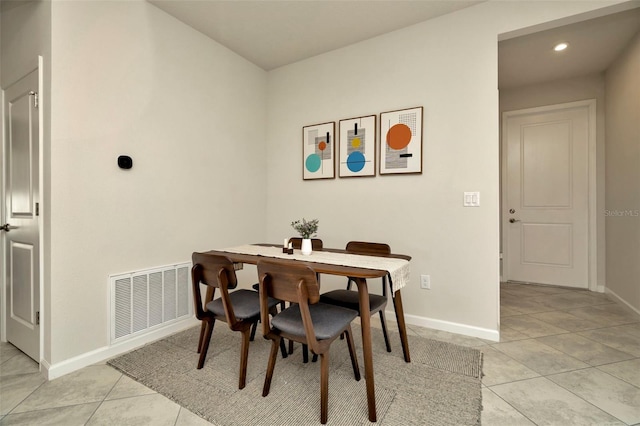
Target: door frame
[
  {"x": 592, "y": 234},
  {"x": 39, "y": 66}
]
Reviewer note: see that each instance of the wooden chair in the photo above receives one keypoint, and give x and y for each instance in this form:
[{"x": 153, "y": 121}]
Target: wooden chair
[
  {"x": 306, "y": 320},
  {"x": 296, "y": 243},
  {"x": 239, "y": 309},
  {"x": 350, "y": 299}
]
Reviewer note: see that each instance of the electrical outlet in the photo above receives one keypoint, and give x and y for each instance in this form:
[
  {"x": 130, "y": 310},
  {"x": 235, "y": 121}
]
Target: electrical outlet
[{"x": 425, "y": 282}]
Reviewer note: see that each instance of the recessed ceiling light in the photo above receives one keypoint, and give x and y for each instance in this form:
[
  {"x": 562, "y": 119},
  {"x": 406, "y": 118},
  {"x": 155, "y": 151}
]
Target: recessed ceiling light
[{"x": 560, "y": 47}]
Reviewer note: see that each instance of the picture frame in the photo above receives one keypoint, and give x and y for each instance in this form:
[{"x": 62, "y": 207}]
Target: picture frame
[
  {"x": 357, "y": 146},
  {"x": 401, "y": 141},
  {"x": 318, "y": 151}
]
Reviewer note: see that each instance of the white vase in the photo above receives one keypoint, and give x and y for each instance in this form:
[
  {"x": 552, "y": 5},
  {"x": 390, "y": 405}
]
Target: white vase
[{"x": 305, "y": 248}]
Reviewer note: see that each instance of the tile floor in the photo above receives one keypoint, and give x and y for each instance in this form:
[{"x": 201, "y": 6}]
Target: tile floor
[{"x": 566, "y": 357}]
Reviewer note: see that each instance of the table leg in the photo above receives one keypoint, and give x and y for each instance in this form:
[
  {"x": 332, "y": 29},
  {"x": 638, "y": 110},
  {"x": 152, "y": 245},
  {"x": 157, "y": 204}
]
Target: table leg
[
  {"x": 397, "y": 304},
  {"x": 365, "y": 325}
]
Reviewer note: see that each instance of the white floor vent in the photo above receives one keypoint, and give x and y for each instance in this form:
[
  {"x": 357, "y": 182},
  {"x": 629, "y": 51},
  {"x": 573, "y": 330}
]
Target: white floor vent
[{"x": 145, "y": 300}]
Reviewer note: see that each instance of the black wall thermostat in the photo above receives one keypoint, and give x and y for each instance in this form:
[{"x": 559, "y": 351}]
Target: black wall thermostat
[{"x": 125, "y": 162}]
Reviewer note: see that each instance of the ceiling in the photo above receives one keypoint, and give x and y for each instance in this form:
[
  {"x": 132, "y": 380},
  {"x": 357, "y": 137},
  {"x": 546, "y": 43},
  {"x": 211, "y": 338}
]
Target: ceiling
[
  {"x": 593, "y": 45},
  {"x": 274, "y": 33}
]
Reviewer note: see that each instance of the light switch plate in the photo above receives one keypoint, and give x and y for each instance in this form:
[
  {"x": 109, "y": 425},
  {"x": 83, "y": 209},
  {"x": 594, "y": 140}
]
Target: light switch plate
[{"x": 471, "y": 199}]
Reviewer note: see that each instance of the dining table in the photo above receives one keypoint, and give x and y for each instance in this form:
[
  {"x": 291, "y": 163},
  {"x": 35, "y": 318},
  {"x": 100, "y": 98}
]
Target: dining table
[{"x": 359, "y": 268}]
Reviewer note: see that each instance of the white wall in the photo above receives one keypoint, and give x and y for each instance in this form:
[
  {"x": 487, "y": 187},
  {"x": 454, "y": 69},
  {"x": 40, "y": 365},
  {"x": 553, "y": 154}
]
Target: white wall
[
  {"x": 130, "y": 79},
  {"x": 623, "y": 175},
  {"x": 563, "y": 91},
  {"x": 449, "y": 66}
]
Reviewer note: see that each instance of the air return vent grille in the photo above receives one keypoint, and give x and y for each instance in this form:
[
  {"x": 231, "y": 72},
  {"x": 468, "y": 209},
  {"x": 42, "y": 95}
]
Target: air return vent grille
[{"x": 145, "y": 300}]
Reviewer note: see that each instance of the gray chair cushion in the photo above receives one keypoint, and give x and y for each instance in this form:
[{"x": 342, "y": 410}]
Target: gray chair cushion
[
  {"x": 328, "y": 320},
  {"x": 350, "y": 299},
  {"x": 246, "y": 304}
]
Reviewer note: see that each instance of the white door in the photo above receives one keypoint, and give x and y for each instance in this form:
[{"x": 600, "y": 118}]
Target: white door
[
  {"x": 546, "y": 203},
  {"x": 20, "y": 224}
]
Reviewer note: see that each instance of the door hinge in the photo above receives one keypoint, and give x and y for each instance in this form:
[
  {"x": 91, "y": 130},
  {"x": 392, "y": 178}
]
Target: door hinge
[
  {"x": 38, "y": 318},
  {"x": 35, "y": 98},
  {"x": 37, "y": 209}
]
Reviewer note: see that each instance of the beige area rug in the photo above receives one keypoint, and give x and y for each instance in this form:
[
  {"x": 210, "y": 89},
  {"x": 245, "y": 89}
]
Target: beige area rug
[{"x": 441, "y": 385}]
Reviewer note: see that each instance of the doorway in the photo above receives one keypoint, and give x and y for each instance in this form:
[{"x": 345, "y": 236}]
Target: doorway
[
  {"x": 548, "y": 198},
  {"x": 21, "y": 223},
  {"x": 532, "y": 72}
]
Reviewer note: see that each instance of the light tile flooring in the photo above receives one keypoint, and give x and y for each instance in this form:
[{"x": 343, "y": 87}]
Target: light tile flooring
[{"x": 566, "y": 357}]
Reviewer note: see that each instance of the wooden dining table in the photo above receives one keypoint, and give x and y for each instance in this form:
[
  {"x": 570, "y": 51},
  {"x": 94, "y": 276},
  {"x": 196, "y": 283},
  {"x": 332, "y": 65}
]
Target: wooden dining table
[{"x": 253, "y": 253}]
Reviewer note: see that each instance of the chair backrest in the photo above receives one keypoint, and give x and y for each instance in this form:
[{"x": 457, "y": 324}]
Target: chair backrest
[
  {"x": 292, "y": 283},
  {"x": 280, "y": 281},
  {"x": 361, "y": 247},
  {"x": 211, "y": 265},
  {"x": 296, "y": 242},
  {"x": 216, "y": 272},
  {"x": 375, "y": 249}
]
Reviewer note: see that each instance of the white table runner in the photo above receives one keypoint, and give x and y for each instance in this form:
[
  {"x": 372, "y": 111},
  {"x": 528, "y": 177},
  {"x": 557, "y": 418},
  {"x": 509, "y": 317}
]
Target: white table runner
[{"x": 398, "y": 268}]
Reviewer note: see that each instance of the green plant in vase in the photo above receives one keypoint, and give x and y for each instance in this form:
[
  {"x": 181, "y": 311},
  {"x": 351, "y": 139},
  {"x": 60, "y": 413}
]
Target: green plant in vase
[{"x": 306, "y": 229}]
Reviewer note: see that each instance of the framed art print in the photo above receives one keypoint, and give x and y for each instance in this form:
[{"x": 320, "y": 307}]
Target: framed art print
[
  {"x": 357, "y": 147},
  {"x": 318, "y": 151},
  {"x": 401, "y": 141}
]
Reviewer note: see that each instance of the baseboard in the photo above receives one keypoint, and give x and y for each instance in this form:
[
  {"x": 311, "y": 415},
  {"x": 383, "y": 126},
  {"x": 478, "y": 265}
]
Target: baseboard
[
  {"x": 53, "y": 371},
  {"x": 102, "y": 354},
  {"x": 452, "y": 327},
  {"x": 621, "y": 301}
]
